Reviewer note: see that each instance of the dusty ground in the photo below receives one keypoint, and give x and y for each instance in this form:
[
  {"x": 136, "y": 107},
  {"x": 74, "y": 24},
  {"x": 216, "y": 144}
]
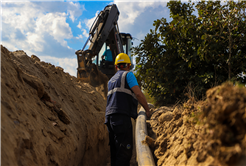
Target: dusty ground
[
  {"x": 47, "y": 116},
  {"x": 211, "y": 132}
]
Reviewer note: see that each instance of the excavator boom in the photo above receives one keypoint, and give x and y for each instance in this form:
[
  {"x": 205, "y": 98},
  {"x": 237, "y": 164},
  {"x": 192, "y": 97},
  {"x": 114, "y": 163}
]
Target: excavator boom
[{"x": 104, "y": 33}]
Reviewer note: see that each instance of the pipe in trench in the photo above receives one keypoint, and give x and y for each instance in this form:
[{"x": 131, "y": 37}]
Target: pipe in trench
[{"x": 144, "y": 155}]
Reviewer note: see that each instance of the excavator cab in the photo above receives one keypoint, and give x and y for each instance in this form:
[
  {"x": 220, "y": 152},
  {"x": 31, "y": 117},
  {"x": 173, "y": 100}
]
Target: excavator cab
[{"x": 105, "y": 59}]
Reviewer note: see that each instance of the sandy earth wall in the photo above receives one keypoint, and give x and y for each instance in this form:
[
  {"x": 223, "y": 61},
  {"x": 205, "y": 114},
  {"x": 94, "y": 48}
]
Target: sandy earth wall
[
  {"x": 209, "y": 132},
  {"x": 47, "y": 116}
]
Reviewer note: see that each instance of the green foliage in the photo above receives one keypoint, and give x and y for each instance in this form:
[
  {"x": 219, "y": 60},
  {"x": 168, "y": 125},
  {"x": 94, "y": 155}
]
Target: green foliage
[
  {"x": 200, "y": 51},
  {"x": 149, "y": 98}
]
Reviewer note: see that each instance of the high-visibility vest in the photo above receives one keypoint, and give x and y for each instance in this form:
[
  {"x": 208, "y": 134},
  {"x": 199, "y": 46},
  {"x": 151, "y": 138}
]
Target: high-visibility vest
[{"x": 120, "y": 98}]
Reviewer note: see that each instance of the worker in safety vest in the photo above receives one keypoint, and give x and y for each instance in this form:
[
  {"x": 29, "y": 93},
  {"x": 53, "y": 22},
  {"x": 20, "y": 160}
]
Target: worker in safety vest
[{"x": 122, "y": 101}]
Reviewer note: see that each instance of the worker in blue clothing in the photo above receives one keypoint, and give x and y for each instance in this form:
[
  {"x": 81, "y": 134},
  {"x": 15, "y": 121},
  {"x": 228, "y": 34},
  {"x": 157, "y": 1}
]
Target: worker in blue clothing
[
  {"x": 122, "y": 100},
  {"x": 107, "y": 59},
  {"x": 108, "y": 55}
]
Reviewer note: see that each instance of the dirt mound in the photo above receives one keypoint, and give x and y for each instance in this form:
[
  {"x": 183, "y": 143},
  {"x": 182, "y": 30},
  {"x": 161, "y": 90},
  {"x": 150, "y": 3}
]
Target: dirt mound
[
  {"x": 210, "y": 132},
  {"x": 49, "y": 117}
]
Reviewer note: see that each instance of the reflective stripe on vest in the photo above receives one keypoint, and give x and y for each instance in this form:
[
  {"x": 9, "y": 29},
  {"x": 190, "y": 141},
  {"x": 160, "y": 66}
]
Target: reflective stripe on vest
[{"x": 122, "y": 87}]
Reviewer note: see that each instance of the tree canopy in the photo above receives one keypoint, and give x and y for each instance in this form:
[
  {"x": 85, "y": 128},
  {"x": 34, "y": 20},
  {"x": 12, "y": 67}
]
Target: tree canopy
[{"x": 204, "y": 45}]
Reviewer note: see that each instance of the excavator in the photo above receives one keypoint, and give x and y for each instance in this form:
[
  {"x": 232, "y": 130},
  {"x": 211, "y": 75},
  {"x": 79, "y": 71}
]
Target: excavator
[{"x": 104, "y": 35}]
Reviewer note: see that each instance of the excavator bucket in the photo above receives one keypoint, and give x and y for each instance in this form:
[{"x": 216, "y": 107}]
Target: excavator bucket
[
  {"x": 88, "y": 72},
  {"x": 84, "y": 68}
]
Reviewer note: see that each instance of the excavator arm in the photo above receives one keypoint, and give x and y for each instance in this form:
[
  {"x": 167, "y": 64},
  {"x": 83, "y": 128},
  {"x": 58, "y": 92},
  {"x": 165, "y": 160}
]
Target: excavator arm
[{"x": 104, "y": 28}]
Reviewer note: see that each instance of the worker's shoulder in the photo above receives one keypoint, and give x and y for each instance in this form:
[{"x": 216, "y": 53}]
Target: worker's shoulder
[
  {"x": 130, "y": 76},
  {"x": 131, "y": 79},
  {"x": 130, "y": 73}
]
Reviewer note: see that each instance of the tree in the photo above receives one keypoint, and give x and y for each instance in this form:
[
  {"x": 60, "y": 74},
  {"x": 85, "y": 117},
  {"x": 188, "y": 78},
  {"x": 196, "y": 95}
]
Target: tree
[
  {"x": 200, "y": 51},
  {"x": 225, "y": 29}
]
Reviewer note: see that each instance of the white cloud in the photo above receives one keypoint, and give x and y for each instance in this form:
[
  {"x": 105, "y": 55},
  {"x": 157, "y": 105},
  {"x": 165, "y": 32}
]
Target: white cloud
[
  {"x": 74, "y": 10},
  {"x": 137, "y": 17},
  {"x": 54, "y": 24},
  {"x": 79, "y": 37},
  {"x": 68, "y": 64},
  {"x": 85, "y": 33},
  {"x": 79, "y": 25},
  {"x": 39, "y": 27},
  {"x": 34, "y": 42}
]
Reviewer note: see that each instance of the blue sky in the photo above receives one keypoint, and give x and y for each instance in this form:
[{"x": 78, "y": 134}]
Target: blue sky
[{"x": 54, "y": 30}]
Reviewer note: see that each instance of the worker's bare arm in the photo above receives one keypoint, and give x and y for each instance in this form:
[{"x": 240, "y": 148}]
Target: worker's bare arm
[{"x": 141, "y": 98}]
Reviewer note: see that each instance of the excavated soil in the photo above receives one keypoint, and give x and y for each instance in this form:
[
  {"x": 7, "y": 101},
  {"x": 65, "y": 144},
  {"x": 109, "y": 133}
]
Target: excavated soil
[
  {"x": 49, "y": 117},
  {"x": 211, "y": 132}
]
